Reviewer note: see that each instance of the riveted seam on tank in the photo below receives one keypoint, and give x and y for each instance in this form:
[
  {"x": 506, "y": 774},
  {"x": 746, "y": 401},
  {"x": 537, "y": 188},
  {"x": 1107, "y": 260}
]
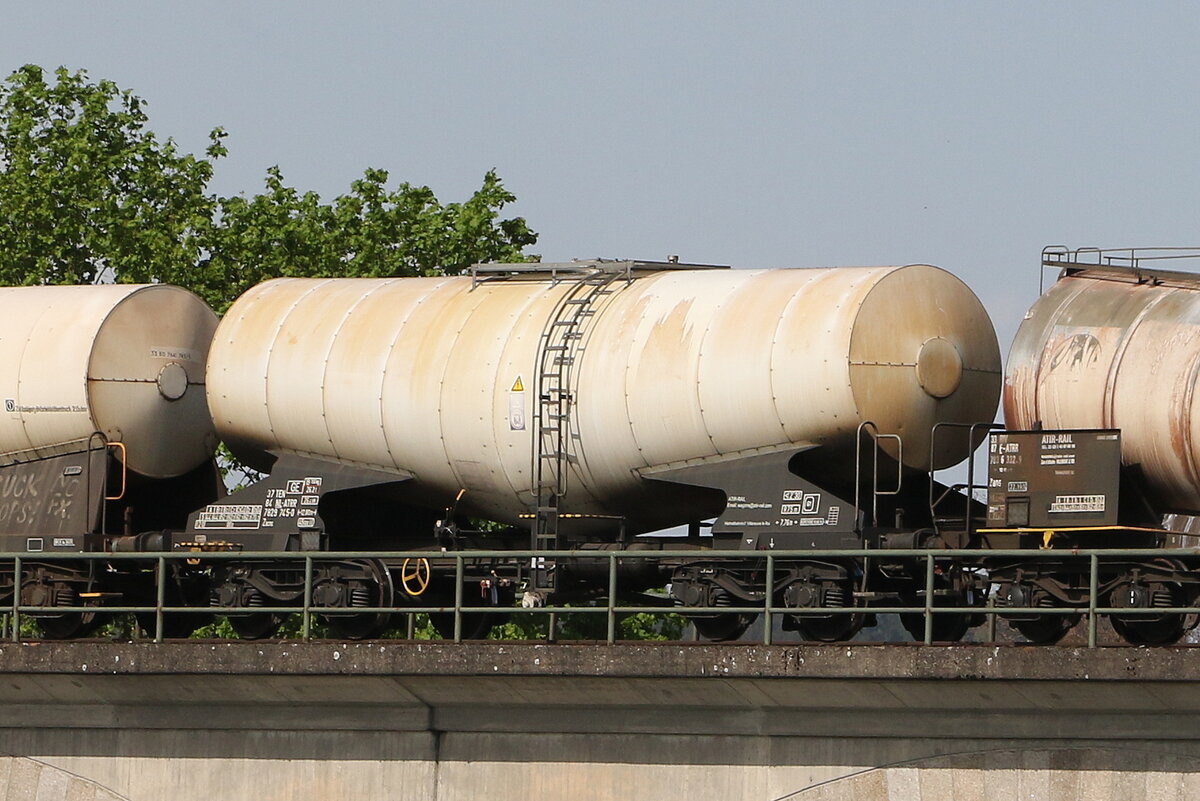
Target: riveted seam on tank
[
  {"x": 492, "y": 393},
  {"x": 283, "y": 320},
  {"x": 700, "y": 349},
  {"x": 334, "y": 336},
  {"x": 387, "y": 361},
  {"x": 788, "y": 309},
  {"x": 478, "y": 301},
  {"x": 21, "y": 371},
  {"x": 1107, "y": 411}
]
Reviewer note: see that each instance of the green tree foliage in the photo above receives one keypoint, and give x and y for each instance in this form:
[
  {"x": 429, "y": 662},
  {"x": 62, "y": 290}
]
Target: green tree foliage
[
  {"x": 88, "y": 193},
  {"x": 370, "y": 232}
]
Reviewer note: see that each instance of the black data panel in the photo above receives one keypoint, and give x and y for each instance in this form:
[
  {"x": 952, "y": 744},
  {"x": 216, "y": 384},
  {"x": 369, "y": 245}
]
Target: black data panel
[{"x": 1044, "y": 479}]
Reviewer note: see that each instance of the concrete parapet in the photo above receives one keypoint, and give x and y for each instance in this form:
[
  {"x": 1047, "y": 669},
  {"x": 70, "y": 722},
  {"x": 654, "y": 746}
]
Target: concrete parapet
[{"x": 388, "y": 720}]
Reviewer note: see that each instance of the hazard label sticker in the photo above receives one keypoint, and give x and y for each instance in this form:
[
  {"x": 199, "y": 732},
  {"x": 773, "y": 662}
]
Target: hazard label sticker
[{"x": 516, "y": 406}]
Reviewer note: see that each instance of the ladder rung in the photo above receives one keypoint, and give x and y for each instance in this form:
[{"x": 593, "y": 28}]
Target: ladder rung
[
  {"x": 564, "y": 360},
  {"x": 563, "y": 322},
  {"x": 555, "y": 347}
]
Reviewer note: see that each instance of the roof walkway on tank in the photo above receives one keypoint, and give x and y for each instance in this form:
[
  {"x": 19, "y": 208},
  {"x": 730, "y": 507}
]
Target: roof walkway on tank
[{"x": 561, "y": 270}]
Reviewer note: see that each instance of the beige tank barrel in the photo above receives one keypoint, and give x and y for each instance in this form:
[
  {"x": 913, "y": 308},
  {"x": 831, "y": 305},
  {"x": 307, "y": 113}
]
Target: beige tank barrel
[
  {"x": 437, "y": 376},
  {"x": 1107, "y": 349},
  {"x": 123, "y": 360}
]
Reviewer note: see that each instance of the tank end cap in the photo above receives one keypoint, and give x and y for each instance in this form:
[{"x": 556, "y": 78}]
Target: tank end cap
[{"x": 939, "y": 367}]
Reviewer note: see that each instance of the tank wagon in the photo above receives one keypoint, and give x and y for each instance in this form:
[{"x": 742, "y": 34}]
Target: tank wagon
[
  {"x": 581, "y": 404},
  {"x": 105, "y": 438},
  {"x": 1102, "y": 440}
]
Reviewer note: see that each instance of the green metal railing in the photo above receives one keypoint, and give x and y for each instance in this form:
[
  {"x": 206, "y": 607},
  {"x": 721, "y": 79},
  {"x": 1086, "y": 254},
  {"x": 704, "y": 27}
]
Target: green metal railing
[{"x": 769, "y": 560}]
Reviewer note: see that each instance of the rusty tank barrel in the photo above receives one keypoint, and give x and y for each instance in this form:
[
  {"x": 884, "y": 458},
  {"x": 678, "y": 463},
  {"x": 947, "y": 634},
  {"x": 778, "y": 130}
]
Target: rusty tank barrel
[
  {"x": 1116, "y": 344},
  {"x": 448, "y": 379}
]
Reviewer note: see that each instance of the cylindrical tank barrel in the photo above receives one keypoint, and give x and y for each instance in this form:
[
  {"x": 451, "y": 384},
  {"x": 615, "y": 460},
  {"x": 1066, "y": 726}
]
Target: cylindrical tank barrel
[
  {"x": 1105, "y": 350},
  {"x": 448, "y": 379},
  {"x": 123, "y": 360}
]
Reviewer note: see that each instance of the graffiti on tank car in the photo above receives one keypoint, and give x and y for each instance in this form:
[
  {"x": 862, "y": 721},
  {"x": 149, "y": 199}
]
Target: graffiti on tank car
[
  {"x": 29, "y": 497},
  {"x": 1076, "y": 352}
]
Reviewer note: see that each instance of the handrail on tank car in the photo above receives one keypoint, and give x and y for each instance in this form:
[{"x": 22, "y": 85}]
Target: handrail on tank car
[
  {"x": 579, "y": 267},
  {"x": 868, "y": 426},
  {"x": 1134, "y": 259},
  {"x": 11, "y": 627},
  {"x": 970, "y": 486}
]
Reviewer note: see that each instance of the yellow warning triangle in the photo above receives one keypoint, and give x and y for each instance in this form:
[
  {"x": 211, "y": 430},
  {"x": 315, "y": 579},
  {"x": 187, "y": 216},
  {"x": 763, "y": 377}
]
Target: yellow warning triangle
[{"x": 518, "y": 386}]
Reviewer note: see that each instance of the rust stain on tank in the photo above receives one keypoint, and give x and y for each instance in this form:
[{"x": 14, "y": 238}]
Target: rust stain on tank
[{"x": 1116, "y": 354}]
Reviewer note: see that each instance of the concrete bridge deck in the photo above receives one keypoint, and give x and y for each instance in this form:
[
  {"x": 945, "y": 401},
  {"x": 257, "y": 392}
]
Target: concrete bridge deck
[{"x": 396, "y": 720}]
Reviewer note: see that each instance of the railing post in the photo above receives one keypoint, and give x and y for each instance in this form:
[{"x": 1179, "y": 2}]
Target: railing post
[
  {"x": 768, "y": 619},
  {"x": 612, "y": 597},
  {"x": 458, "y": 596},
  {"x": 991, "y": 618},
  {"x": 306, "y": 615},
  {"x": 160, "y": 595},
  {"x": 1093, "y": 591},
  {"x": 16, "y": 604},
  {"x": 928, "y": 598}
]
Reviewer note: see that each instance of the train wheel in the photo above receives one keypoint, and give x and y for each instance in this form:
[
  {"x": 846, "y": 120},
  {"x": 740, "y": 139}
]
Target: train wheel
[
  {"x": 70, "y": 625},
  {"x": 475, "y": 626},
  {"x": 65, "y": 625},
  {"x": 822, "y": 626},
  {"x": 721, "y": 628},
  {"x": 175, "y": 627},
  {"x": 946, "y": 628},
  {"x": 1143, "y": 626},
  {"x": 1149, "y": 629},
  {"x": 375, "y": 589},
  {"x": 1045, "y": 629},
  {"x": 836, "y": 628},
  {"x": 257, "y": 626},
  {"x": 1164, "y": 631}
]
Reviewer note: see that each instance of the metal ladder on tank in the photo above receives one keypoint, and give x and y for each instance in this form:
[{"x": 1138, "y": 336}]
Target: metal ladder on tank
[{"x": 562, "y": 343}]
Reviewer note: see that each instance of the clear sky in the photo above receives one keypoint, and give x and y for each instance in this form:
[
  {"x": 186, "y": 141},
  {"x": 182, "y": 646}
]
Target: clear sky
[{"x": 804, "y": 134}]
